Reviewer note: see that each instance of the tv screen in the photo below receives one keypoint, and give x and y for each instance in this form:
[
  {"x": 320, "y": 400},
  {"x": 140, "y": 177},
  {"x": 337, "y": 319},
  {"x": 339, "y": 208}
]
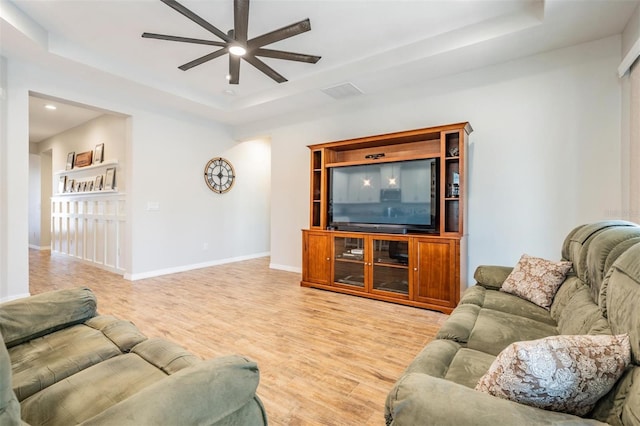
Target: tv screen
[{"x": 395, "y": 197}]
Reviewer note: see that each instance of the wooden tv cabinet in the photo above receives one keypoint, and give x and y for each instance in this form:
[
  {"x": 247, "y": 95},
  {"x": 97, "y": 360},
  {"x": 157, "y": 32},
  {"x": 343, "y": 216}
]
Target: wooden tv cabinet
[{"x": 425, "y": 270}]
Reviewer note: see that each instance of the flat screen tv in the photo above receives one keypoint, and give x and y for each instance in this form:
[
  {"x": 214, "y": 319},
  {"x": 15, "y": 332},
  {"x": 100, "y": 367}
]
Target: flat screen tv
[{"x": 393, "y": 197}]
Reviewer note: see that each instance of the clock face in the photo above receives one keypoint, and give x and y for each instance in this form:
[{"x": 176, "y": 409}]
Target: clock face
[{"x": 219, "y": 175}]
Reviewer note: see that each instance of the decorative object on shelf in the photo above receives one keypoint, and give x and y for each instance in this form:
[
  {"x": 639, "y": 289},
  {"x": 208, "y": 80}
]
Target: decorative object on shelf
[
  {"x": 453, "y": 151},
  {"x": 98, "y": 154},
  {"x": 84, "y": 159},
  {"x": 110, "y": 179},
  {"x": 89, "y": 186},
  {"x": 97, "y": 185},
  {"x": 62, "y": 184},
  {"x": 219, "y": 175},
  {"x": 70, "y": 160},
  {"x": 76, "y": 186}
]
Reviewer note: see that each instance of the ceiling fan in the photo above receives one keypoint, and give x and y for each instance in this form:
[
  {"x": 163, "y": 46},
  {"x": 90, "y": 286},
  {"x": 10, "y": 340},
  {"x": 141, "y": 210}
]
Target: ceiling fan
[{"x": 236, "y": 43}]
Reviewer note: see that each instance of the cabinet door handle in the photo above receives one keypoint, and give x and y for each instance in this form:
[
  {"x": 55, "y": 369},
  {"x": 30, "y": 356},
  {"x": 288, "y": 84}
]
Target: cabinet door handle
[
  {"x": 415, "y": 269},
  {"x": 328, "y": 259}
]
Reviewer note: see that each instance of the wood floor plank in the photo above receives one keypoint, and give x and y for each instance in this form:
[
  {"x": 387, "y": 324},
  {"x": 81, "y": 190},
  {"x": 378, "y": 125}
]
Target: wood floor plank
[{"x": 325, "y": 358}]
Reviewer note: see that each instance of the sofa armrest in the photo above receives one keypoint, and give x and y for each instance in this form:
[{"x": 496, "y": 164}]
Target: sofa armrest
[
  {"x": 202, "y": 394},
  {"x": 422, "y": 399},
  {"x": 24, "y": 319},
  {"x": 492, "y": 277}
]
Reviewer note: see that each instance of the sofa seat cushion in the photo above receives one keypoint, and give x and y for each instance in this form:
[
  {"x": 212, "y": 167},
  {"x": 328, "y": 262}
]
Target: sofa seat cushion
[
  {"x": 495, "y": 330},
  {"x": 46, "y": 360},
  {"x": 449, "y": 360},
  {"x": 505, "y": 302},
  {"x": 165, "y": 355},
  {"x": 468, "y": 366},
  {"x": 90, "y": 391},
  {"x": 123, "y": 333}
]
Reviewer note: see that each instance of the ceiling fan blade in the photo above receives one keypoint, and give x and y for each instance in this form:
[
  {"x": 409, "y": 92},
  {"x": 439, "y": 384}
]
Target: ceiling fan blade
[
  {"x": 289, "y": 56},
  {"x": 264, "y": 68},
  {"x": 195, "y": 18},
  {"x": 280, "y": 34},
  {"x": 183, "y": 39},
  {"x": 203, "y": 59},
  {"x": 234, "y": 69},
  {"x": 241, "y": 19}
]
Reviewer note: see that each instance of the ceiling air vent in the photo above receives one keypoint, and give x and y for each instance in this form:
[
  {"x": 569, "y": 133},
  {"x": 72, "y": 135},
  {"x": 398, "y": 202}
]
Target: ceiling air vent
[{"x": 342, "y": 91}]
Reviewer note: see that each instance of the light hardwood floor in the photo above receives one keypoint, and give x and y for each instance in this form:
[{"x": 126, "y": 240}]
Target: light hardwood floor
[{"x": 324, "y": 358}]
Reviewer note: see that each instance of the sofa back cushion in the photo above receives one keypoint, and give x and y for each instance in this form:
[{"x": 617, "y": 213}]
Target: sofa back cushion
[
  {"x": 576, "y": 246},
  {"x": 25, "y": 319},
  {"x": 621, "y": 294},
  {"x": 581, "y": 315},
  {"x": 602, "y": 253}
]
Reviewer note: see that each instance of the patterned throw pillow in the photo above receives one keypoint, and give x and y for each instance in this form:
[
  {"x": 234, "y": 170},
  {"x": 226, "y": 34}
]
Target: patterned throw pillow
[
  {"x": 536, "y": 280},
  {"x": 559, "y": 373}
]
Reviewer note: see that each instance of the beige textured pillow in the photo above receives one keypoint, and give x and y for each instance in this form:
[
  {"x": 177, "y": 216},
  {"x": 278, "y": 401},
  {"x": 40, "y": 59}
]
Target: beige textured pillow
[
  {"x": 536, "y": 280},
  {"x": 559, "y": 373}
]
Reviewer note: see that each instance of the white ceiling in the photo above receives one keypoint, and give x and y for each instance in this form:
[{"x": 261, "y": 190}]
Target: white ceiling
[{"x": 377, "y": 45}]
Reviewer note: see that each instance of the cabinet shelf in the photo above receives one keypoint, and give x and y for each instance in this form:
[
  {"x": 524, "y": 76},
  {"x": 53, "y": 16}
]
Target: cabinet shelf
[
  {"x": 391, "y": 265},
  {"x": 348, "y": 260}
]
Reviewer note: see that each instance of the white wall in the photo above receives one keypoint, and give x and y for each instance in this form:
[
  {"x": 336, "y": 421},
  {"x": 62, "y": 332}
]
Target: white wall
[
  {"x": 46, "y": 178},
  {"x": 544, "y": 156},
  {"x": 166, "y": 152},
  {"x": 35, "y": 197}
]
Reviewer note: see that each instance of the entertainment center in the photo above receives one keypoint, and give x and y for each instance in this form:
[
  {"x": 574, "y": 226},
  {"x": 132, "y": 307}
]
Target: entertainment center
[{"x": 387, "y": 216}]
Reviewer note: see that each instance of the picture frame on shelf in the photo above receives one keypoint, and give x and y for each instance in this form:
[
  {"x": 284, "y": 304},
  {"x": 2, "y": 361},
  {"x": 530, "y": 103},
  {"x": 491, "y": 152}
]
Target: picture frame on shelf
[
  {"x": 98, "y": 153},
  {"x": 84, "y": 159},
  {"x": 70, "y": 160},
  {"x": 69, "y": 185},
  {"x": 62, "y": 184},
  {"x": 97, "y": 184},
  {"x": 110, "y": 179}
]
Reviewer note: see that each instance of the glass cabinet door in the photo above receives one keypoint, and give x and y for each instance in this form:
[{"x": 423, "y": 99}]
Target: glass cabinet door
[
  {"x": 391, "y": 266},
  {"x": 348, "y": 266}
]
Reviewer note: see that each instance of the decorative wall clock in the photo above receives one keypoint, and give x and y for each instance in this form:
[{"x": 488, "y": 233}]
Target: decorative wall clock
[{"x": 219, "y": 175}]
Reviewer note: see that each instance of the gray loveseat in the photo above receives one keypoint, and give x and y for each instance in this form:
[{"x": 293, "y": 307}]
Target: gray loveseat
[
  {"x": 63, "y": 364},
  {"x": 600, "y": 296}
]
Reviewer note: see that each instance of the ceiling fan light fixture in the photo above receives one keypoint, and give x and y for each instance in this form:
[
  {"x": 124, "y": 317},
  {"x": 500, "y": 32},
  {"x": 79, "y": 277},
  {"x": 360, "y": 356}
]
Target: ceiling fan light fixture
[{"x": 237, "y": 50}]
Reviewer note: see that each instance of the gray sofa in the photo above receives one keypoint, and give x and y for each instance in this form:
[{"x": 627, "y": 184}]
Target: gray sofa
[
  {"x": 600, "y": 296},
  {"x": 63, "y": 364}
]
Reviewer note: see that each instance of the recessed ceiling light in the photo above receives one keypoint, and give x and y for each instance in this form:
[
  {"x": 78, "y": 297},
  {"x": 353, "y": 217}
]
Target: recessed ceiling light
[
  {"x": 51, "y": 107},
  {"x": 228, "y": 77}
]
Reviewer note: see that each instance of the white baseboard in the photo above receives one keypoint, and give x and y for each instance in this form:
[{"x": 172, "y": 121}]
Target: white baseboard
[
  {"x": 35, "y": 247},
  {"x": 167, "y": 271},
  {"x": 15, "y": 297},
  {"x": 285, "y": 268}
]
